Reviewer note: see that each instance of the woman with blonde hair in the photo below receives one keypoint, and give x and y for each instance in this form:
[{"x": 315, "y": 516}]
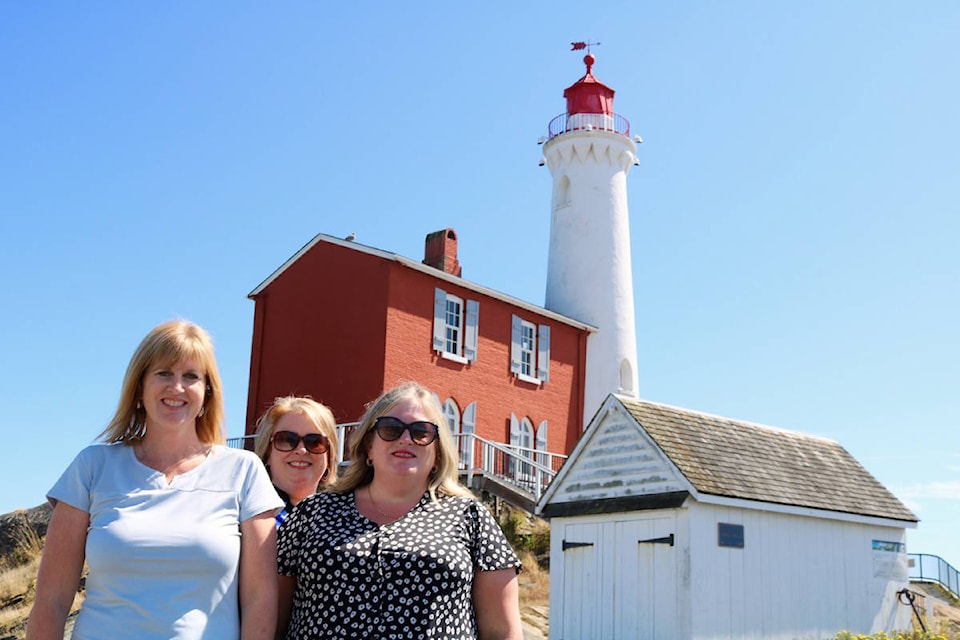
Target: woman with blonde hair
[
  {"x": 176, "y": 529},
  {"x": 397, "y": 548},
  {"x": 297, "y": 441}
]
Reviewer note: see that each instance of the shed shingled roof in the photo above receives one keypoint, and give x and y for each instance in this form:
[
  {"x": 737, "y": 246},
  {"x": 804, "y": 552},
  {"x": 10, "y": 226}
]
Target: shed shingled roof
[{"x": 736, "y": 459}]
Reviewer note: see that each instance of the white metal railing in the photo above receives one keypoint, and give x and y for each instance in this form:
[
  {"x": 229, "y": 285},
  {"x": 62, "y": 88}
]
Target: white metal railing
[
  {"x": 523, "y": 467},
  {"x": 240, "y": 443},
  {"x": 527, "y": 469}
]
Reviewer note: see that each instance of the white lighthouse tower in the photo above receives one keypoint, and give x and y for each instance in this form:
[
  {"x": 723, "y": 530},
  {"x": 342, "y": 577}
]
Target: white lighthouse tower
[{"x": 589, "y": 152}]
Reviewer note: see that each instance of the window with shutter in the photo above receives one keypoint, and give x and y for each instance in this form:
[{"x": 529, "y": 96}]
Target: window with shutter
[
  {"x": 455, "y": 326},
  {"x": 529, "y": 351}
]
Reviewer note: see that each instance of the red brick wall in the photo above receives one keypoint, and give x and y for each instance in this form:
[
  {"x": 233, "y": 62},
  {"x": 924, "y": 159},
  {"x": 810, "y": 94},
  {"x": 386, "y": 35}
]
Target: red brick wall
[
  {"x": 486, "y": 381},
  {"x": 319, "y": 331}
]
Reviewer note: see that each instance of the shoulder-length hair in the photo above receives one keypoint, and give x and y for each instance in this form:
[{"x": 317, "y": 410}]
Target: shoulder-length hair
[
  {"x": 319, "y": 414},
  {"x": 443, "y": 477},
  {"x": 165, "y": 345}
]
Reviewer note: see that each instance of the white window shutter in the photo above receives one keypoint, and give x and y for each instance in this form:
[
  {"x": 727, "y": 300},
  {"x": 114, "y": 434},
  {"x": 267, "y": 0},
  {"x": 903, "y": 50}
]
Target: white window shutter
[
  {"x": 471, "y": 330},
  {"x": 515, "y": 332},
  {"x": 468, "y": 426},
  {"x": 542, "y": 443},
  {"x": 543, "y": 353},
  {"x": 514, "y": 431},
  {"x": 439, "y": 320}
]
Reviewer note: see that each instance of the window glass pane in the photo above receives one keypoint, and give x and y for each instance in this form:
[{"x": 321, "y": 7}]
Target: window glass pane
[
  {"x": 453, "y": 318},
  {"x": 528, "y": 347},
  {"x": 452, "y": 416}
]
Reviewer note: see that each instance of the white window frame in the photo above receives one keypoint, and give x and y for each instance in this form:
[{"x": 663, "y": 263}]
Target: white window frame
[
  {"x": 529, "y": 351},
  {"x": 462, "y": 346},
  {"x": 451, "y": 413}
]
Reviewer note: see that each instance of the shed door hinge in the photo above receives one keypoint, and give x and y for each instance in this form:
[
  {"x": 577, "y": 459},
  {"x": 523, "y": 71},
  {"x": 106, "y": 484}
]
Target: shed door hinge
[
  {"x": 664, "y": 540},
  {"x": 573, "y": 545}
]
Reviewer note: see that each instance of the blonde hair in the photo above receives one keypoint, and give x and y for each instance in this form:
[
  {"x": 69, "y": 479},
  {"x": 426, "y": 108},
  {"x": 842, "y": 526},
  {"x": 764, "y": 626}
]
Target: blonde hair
[
  {"x": 167, "y": 344},
  {"x": 443, "y": 479},
  {"x": 319, "y": 414}
]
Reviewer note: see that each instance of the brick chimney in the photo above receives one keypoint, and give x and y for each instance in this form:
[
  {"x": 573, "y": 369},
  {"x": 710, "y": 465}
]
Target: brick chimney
[{"x": 440, "y": 251}]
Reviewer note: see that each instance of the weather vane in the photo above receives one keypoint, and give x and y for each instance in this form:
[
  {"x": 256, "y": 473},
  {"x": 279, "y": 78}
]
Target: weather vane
[{"x": 580, "y": 46}]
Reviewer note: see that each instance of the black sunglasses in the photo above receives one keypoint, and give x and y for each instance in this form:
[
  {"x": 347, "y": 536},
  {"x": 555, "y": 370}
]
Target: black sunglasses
[
  {"x": 288, "y": 441},
  {"x": 421, "y": 432}
]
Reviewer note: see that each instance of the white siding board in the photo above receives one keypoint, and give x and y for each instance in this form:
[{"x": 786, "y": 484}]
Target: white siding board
[
  {"x": 736, "y": 562},
  {"x": 619, "y": 462},
  {"x": 664, "y": 584},
  {"x": 558, "y": 579},
  {"x": 818, "y": 563},
  {"x": 611, "y": 551},
  {"x": 684, "y": 598},
  {"x": 631, "y": 610},
  {"x": 753, "y": 564}
]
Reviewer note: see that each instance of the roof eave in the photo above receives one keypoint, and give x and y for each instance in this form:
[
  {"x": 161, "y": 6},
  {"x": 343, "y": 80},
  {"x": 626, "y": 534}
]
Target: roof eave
[{"x": 418, "y": 266}]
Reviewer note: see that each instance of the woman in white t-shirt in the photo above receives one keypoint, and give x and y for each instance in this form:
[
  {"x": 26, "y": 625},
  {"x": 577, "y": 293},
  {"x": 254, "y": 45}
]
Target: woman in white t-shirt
[{"x": 176, "y": 528}]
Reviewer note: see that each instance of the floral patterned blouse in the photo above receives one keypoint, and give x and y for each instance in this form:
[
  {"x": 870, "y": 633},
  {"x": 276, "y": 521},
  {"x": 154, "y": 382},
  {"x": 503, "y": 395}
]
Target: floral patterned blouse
[{"x": 411, "y": 578}]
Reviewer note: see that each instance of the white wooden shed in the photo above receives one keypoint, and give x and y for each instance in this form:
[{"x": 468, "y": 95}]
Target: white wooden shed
[{"x": 668, "y": 523}]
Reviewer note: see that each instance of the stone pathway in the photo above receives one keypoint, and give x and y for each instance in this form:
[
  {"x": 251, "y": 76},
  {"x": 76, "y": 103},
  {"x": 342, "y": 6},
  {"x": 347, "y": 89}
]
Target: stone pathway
[{"x": 536, "y": 622}]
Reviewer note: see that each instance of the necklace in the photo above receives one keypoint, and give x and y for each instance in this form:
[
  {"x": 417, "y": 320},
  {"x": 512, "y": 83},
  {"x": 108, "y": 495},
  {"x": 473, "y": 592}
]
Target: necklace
[{"x": 381, "y": 511}]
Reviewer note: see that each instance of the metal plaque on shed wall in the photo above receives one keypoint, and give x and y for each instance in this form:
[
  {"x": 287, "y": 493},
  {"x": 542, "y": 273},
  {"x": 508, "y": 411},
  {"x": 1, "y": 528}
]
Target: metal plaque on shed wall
[{"x": 730, "y": 535}]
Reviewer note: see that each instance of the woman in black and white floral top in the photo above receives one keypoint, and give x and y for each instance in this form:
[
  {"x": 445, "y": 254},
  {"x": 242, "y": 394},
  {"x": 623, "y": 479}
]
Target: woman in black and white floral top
[{"x": 398, "y": 549}]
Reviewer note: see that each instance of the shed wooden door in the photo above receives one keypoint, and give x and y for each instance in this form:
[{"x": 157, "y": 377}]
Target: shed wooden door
[
  {"x": 645, "y": 588},
  {"x": 583, "y": 607},
  {"x": 619, "y": 579}
]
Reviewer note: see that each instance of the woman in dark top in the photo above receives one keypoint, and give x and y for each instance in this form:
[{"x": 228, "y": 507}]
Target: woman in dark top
[{"x": 398, "y": 548}]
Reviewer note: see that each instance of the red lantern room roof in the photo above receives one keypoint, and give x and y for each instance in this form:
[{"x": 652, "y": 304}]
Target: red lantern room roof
[
  {"x": 589, "y": 107},
  {"x": 589, "y": 95}
]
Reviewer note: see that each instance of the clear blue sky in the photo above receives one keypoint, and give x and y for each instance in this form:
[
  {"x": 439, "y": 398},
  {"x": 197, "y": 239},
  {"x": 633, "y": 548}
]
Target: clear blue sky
[{"x": 794, "y": 218}]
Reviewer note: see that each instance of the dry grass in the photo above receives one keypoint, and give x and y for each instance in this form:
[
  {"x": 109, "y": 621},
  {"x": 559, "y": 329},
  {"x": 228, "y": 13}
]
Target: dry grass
[
  {"x": 18, "y": 575},
  {"x": 534, "y": 596},
  {"x": 534, "y": 582},
  {"x": 16, "y": 593}
]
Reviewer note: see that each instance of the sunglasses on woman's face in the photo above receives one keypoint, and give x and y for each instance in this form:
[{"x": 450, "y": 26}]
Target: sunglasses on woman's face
[
  {"x": 421, "y": 432},
  {"x": 288, "y": 441}
]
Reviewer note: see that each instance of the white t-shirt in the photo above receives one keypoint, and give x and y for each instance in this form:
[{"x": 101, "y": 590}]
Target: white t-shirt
[{"x": 163, "y": 557}]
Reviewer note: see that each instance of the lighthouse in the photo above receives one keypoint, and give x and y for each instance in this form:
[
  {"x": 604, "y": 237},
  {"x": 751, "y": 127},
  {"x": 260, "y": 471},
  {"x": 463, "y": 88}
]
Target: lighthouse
[{"x": 589, "y": 153}]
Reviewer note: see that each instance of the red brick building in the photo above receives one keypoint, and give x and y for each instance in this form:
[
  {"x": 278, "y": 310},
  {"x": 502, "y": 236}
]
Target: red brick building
[{"x": 341, "y": 322}]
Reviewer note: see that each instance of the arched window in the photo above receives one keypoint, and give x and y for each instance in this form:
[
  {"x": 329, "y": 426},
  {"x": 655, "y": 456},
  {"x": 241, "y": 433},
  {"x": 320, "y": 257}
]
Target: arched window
[
  {"x": 521, "y": 437},
  {"x": 626, "y": 378},
  {"x": 561, "y": 198},
  {"x": 451, "y": 412}
]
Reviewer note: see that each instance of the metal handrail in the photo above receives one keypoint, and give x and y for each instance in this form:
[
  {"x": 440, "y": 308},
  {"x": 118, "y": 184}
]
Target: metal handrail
[
  {"x": 527, "y": 469},
  {"x": 565, "y": 123},
  {"x": 925, "y": 567},
  {"x": 241, "y": 442}
]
